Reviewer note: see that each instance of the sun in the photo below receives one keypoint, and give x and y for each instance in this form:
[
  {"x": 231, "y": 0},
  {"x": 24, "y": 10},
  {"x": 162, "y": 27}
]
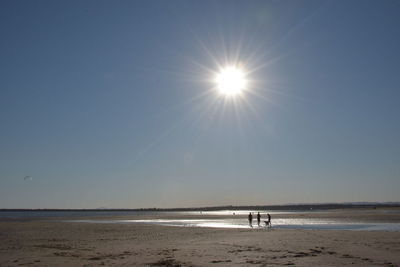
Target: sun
[{"x": 231, "y": 81}]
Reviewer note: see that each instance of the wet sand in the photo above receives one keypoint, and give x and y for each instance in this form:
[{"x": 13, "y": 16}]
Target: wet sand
[{"x": 55, "y": 243}]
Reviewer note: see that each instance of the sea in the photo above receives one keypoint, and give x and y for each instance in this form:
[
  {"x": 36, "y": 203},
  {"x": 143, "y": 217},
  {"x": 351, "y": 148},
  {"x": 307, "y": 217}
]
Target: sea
[{"x": 219, "y": 219}]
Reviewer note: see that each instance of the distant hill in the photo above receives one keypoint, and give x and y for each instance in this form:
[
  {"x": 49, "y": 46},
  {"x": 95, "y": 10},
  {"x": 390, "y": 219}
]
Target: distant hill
[{"x": 301, "y": 206}]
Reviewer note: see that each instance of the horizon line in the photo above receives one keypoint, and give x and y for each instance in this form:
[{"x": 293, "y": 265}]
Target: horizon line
[{"x": 209, "y": 208}]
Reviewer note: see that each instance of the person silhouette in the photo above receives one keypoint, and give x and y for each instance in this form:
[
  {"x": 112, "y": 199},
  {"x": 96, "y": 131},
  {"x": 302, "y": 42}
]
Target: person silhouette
[
  {"x": 268, "y": 222},
  {"x": 258, "y": 218},
  {"x": 250, "y": 219}
]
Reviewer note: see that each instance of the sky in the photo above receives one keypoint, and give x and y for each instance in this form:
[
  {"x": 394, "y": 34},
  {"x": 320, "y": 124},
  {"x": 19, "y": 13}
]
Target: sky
[{"x": 113, "y": 104}]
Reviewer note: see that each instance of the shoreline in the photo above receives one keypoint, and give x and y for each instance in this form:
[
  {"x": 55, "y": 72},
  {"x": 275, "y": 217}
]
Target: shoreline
[{"x": 55, "y": 243}]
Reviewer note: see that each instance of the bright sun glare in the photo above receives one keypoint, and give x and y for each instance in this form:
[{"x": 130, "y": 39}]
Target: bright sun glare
[{"x": 231, "y": 81}]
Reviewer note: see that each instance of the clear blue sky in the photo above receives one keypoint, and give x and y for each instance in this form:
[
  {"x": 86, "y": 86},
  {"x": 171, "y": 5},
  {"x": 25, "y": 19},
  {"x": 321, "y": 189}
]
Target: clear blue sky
[{"x": 112, "y": 103}]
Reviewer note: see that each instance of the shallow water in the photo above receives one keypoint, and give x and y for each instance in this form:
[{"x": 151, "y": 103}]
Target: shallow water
[
  {"x": 216, "y": 222},
  {"x": 310, "y": 224},
  {"x": 102, "y": 213},
  {"x": 238, "y": 212},
  {"x": 67, "y": 213}
]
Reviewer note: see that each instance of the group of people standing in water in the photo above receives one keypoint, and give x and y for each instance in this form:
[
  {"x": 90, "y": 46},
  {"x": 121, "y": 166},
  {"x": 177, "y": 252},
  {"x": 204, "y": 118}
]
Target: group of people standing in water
[{"x": 267, "y": 223}]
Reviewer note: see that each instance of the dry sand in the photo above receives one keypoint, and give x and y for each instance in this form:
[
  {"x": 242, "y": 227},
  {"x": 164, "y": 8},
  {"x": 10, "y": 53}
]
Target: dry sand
[{"x": 56, "y": 243}]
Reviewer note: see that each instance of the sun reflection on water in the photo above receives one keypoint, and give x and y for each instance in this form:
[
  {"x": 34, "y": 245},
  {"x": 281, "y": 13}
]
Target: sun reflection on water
[{"x": 310, "y": 224}]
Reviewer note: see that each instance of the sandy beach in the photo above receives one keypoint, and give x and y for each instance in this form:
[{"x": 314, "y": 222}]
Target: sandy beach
[{"x": 56, "y": 243}]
